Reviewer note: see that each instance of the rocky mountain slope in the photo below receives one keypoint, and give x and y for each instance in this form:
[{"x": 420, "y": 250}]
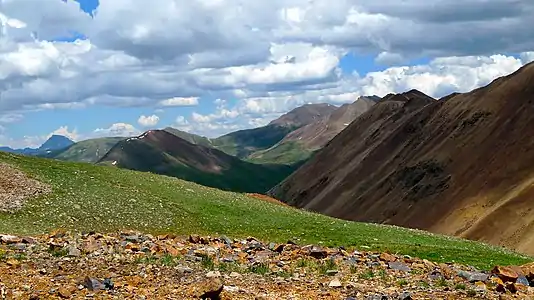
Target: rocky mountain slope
[
  {"x": 244, "y": 142},
  {"x": 132, "y": 265},
  {"x": 299, "y": 144},
  {"x": 461, "y": 166},
  {"x": 161, "y": 152}
]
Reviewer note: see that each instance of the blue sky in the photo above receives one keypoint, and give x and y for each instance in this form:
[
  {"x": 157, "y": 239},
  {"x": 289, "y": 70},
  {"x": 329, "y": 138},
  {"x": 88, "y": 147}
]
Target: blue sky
[{"x": 227, "y": 67}]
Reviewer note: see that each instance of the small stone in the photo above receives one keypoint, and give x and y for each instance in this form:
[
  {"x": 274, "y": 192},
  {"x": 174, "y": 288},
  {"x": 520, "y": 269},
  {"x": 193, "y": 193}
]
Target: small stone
[
  {"x": 335, "y": 283},
  {"x": 522, "y": 280},
  {"x": 64, "y": 293},
  {"x": 195, "y": 239},
  {"x": 387, "y": 257},
  {"x": 226, "y": 240},
  {"x": 92, "y": 284},
  {"x": 507, "y": 274},
  {"x": 74, "y": 252},
  {"x": 405, "y": 296},
  {"x": 395, "y": 265},
  {"x": 235, "y": 275},
  {"x": 13, "y": 263},
  {"x": 473, "y": 276},
  {"x": 213, "y": 274},
  {"x": 480, "y": 286},
  {"x": 210, "y": 289},
  {"x": 317, "y": 252}
]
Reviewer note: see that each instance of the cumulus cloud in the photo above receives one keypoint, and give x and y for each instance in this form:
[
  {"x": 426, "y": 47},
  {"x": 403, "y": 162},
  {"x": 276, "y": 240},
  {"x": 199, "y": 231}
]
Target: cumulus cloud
[
  {"x": 264, "y": 57},
  {"x": 117, "y": 130},
  {"x": 180, "y": 101},
  {"x": 64, "y": 131},
  {"x": 147, "y": 121}
]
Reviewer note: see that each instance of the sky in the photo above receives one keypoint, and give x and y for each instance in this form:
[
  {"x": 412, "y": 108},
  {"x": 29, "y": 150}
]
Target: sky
[{"x": 88, "y": 68}]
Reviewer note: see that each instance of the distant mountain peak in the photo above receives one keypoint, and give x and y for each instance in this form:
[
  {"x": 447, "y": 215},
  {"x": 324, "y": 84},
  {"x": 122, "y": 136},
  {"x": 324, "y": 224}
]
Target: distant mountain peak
[
  {"x": 304, "y": 115},
  {"x": 56, "y": 142}
]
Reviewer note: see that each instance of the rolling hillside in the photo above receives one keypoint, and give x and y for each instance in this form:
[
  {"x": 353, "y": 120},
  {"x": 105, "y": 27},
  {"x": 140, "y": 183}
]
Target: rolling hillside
[
  {"x": 89, "y": 151},
  {"x": 461, "y": 166},
  {"x": 301, "y": 143},
  {"x": 85, "y": 197},
  {"x": 161, "y": 152}
]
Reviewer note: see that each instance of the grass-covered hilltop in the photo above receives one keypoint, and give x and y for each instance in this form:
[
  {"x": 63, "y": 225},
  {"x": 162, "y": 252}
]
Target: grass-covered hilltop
[{"x": 84, "y": 197}]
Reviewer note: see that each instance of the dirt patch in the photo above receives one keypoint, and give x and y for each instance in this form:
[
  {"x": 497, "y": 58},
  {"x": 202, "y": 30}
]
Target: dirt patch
[
  {"x": 266, "y": 198},
  {"x": 16, "y": 188}
]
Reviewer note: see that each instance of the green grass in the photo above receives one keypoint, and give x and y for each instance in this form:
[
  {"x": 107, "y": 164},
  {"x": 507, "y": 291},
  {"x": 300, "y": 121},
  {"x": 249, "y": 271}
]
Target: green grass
[
  {"x": 287, "y": 153},
  {"x": 87, "y": 197}
]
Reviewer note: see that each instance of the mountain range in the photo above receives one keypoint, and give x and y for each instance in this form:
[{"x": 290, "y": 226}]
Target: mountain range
[
  {"x": 53, "y": 143},
  {"x": 462, "y": 165}
]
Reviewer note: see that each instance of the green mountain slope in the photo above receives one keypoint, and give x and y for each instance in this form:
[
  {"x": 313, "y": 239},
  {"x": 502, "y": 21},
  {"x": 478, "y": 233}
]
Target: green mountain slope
[
  {"x": 86, "y": 197},
  {"x": 161, "y": 152},
  {"x": 89, "y": 151},
  {"x": 190, "y": 137},
  {"x": 244, "y": 142},
  {"x": 303, "y": 142}
]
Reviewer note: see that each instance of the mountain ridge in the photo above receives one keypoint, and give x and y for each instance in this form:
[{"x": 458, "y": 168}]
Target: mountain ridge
[
  {"x": 164, "y": 153},
  {"x": 456, "y": 167}
]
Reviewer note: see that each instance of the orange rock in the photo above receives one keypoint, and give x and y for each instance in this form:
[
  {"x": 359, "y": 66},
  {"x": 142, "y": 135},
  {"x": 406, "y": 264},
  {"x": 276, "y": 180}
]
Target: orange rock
[
  {"x": 64, "y": 293},
  {"x": 13, "y": 263},
  {"x": 172, "y": 251},
  {"x": 387, "y": 257},
  {"x": 507, "y": 274}
]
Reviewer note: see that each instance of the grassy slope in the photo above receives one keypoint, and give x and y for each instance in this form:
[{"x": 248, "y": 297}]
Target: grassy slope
[
  {"x": 87, "y": 151},
  {"x": 244, "y": 142},
  {"x": 88, "y": 197},
  {"x": 190, "y": 137},
  {"x": 286, "y": 153}
]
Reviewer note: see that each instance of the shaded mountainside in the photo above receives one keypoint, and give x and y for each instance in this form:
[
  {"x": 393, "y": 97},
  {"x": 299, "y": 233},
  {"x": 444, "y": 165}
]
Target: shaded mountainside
[
  {"x": 89, "y": 151},
  {"x": 301, "y": 143},
  {"x": 161, "y": 152},
  {"x": 464, "y": 166},
  {"x": 244, "y": 142}
]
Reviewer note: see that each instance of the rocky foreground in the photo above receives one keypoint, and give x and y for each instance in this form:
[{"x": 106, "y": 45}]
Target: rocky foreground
[{"x": 137, "y": 266}]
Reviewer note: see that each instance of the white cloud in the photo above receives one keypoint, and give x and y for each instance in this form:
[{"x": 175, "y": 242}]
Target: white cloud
[
  {"x": 147, "y": 121},
  {"x": 180, "y": 101},
  {"x": 116, "y": 130},
  {"x": 263, "y": 57},
  {"x": 527, "y": 57},
  {"x": 199, "y": 118},
  {"x": 64, "y": 131},
  {"x": 10, "y": 117},
  {"x": 181, "y": 121}
]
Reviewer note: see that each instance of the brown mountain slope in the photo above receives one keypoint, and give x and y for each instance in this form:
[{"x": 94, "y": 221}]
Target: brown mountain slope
[
  {"x": 244, "y": 142},
  {"x": 301, "y": 143},
  {"x": 303, "y": 115},
  {"x": 464, "y": 166},
  {"x": 161, "y": 152}
]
